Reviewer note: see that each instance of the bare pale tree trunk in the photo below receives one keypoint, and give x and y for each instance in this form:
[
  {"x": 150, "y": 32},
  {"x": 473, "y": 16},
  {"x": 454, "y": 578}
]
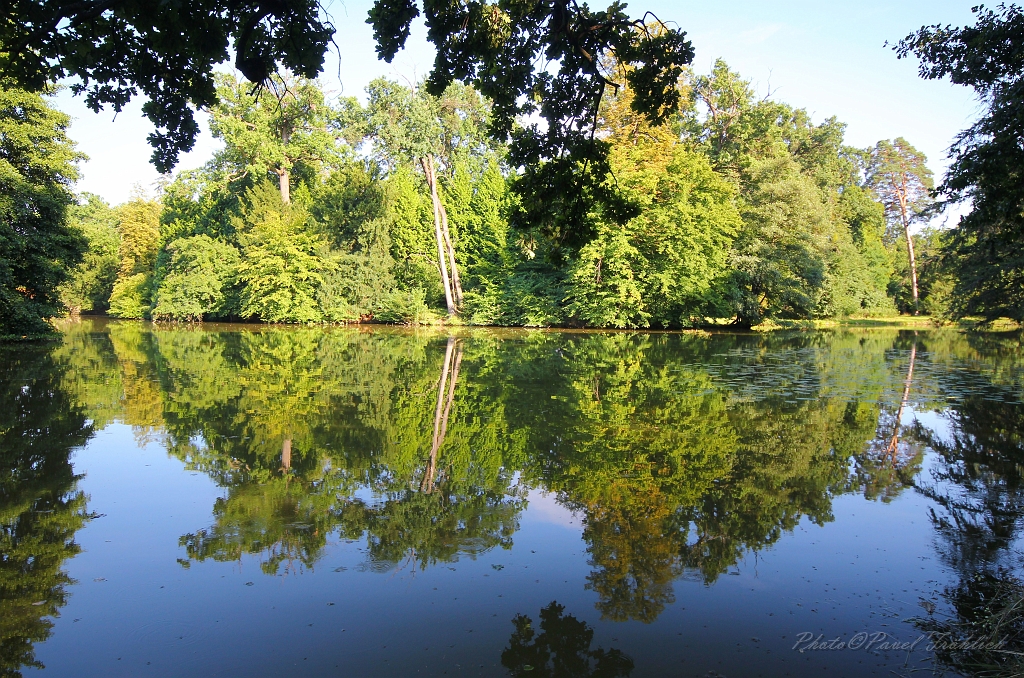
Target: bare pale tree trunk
[
  {"x": 910, "y": 241},
  {"x": 451, "y": 390},
  {"x": 284, "y": 181},
  {"x": 283, "y": 175},
  {"x": 428, "y": 169},
  {"x": 913, "y": 268},
  {"x": 456, "y": 283},
  {"x": 286, "y": 454},
  {"x": 895, "y": 440}
]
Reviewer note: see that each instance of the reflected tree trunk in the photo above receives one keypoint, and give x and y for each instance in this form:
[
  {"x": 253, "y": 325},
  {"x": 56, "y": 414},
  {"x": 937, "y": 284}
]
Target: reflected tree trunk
[
  {"x": 445, "y": 399},
  {"x": 286, "y": 454},
  {"x": 895, "y": 440}
]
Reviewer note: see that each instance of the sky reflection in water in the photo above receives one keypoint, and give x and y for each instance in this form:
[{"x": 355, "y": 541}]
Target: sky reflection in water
[{"x": 373, "y": 502}]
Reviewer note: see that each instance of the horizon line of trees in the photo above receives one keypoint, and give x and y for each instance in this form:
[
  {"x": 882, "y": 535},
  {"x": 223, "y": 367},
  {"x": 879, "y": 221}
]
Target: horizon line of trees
[
  {"x": 322, "y": 210},
  {"x": 638, "y": 195}
]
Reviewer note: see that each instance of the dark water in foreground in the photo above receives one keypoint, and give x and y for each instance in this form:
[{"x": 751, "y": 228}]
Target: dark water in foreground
[{"x": 236, "y": 501}]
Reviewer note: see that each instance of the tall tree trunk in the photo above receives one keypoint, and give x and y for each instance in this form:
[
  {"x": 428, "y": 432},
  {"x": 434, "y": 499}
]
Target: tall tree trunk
[
  {"x": 913, "y": 266},
  {"x": 286, "y": 454},
  {"x": 283, "y": 175},
  {"x": 427, "y": 163},
  {"x": 284, "y": 181},
  {"x": 456, "y": 283},
  {"x": 910, "y": 241},
  {"x": 451, "y": 389}
]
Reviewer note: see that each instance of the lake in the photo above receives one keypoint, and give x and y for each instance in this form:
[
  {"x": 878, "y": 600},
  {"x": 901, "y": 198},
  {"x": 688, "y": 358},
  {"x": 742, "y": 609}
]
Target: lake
[{"x": 232, "y": 500}]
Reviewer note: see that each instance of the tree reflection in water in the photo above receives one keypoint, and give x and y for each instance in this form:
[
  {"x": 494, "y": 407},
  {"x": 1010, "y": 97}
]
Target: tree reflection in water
[
  {"x": 561, "y": 649},
  {"x": 40, "y": 507},
  {"x": 978, "y": 486},
  {"x": 369, "y": 423},
  {"x": 682, "y": 453}
]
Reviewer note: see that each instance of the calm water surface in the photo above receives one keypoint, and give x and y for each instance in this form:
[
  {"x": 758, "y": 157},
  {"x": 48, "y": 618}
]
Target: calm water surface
[{"x": 241, "y": 501}]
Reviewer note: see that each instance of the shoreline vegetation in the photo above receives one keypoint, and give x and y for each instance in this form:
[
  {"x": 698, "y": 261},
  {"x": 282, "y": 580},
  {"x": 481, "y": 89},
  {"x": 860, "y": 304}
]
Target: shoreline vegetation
[
  {"x": 1002, "y": 325},
  {"x": 325, "y": 210},
  {"x": 672, "y": 202},
  {"x": 722, "y": 325},
  {"x": 921, "y": 322}
]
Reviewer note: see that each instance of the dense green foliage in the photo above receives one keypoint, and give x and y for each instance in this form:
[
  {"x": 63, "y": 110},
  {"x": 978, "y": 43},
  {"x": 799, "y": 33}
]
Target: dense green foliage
[
  {"x": 92, "y": 282},
  {"x": 984, "y": 251},
  {"x": 37, "y": 246},
  {"x": 321, "y": 210},
  {"x": 138, "y": 225}
]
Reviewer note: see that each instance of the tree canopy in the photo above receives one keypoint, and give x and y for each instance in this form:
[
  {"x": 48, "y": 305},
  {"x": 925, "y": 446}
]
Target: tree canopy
[
  {"x": 37, "y": 246},
  {"x": 987, "y": 157},
  {"x": 538, "y": 59}
]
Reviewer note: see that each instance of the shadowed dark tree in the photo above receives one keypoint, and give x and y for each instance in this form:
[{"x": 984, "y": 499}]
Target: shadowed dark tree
[
  {"x": 37, "y": 246},
  {"x": 987, "y": 158},
  {"x": 561, "y": 649},
  {"x": 979, "y": 488}
]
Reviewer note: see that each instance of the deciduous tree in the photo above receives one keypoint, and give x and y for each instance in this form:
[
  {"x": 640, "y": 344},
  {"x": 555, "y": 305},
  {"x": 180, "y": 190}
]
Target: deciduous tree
[
  {"x": 289, "y": 125},
  {"x": 37, "y": 245}
]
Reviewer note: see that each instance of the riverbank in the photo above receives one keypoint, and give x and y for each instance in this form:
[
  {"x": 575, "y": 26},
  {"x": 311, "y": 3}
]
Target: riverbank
[{"x": 900, "y": 322}]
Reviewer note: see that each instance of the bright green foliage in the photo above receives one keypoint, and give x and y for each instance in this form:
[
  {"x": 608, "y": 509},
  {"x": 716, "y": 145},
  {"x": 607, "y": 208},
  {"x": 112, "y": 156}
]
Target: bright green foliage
[
  {"x": 350, "y": 208},
  {"x": 130, "y": 297},
  {"x": 37, "y": 245},
  {"x": 661, "y": 265},
  {"x": 603, "y": 289},
  {"x": 743, "y": 209},
  {"x": 289, "y": 129},
  {"x": 139, "y": 227},
  {"x": 534, "y": 290},
  {"x": 866, "y": 219},
  {"x": 777, "y": 263},
  {"x": 434, "y": 135},
  {"x": 280, "y": 268},
  {"x": 809, "y": 244},
  {"x": 198, "y": 202},
  {"x": 93, "y": 280},
  {"x": 478, "y": 203},
  {"x": 726, "y": 132},
  {"x": 412, "y": 242},
  {"x": 199, "y": 280}
]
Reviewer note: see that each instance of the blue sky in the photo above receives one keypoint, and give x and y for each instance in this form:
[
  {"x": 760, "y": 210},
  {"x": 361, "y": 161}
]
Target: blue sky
[{"x": 829, "y": 58}]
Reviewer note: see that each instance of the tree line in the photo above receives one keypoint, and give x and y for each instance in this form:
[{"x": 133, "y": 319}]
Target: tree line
[
  {"x": 321, "y": 209},
  {"x": 666, "y": 199}
]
